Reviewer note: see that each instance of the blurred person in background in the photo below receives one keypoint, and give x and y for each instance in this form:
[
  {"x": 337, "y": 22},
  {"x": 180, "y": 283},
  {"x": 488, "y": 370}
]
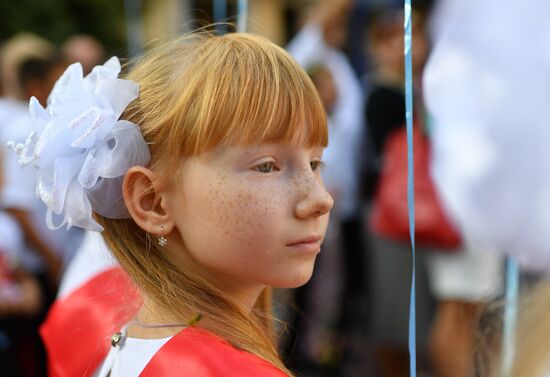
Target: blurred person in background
[
  {"x": 441, "y": 273},
  {"x": 30, "y": 68},
  {"x": 462, "y": 283},
  {"x": 477, "y": 95},
  {"x": 390, "y": 261},
  {"x": 317, "y": 48},
  {"x": 385, "y": 98},
  {"x": 37, "y": 77},
  {"x": 84, "y": 49},
  {"x": 15, "y": 50},
  {"x": 21, "y": 299},
  {"x": 44, "y": 249}
]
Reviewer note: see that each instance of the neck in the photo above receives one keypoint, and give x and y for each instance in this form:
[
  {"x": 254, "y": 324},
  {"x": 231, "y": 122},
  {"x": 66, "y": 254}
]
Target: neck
[
  {"x": 244, "y": 297},
  {"x": 153, "y": 323}
]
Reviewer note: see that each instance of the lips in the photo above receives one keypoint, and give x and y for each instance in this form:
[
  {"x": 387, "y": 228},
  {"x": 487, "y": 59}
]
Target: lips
[{"x": 310, "y": 244}]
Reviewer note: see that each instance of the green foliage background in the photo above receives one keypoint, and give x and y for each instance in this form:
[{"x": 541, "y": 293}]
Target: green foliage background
[{"x": 57, "y": 20}]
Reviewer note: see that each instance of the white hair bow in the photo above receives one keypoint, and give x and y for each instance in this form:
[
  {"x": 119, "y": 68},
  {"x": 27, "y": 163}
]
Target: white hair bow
[{"x": 81, "y": 149}]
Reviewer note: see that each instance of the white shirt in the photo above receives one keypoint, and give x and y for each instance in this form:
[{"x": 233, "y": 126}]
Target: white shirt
[
  {"x": 19, "y": 190},
  {"x": 129, "y": 357},
  {"x": 9, "y": 107},
  {"x": 11, "y": 238}
]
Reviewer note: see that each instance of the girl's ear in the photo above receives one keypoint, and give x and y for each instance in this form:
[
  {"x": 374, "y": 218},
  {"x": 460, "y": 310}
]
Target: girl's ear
[{"x": 145, "y": 201}]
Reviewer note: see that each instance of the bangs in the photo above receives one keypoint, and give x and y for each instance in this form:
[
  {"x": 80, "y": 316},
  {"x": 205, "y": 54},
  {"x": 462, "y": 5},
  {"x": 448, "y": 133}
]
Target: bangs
[{"x": 247, "y": 90}]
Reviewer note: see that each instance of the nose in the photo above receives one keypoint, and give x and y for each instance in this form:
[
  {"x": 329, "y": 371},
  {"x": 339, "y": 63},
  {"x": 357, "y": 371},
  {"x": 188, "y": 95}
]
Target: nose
[{"x": 315, "y": 200}]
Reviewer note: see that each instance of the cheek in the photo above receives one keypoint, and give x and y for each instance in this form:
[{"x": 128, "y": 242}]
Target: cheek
[
  {"x": 254, "y": 214},
  {"x": 236, "y": 215}
]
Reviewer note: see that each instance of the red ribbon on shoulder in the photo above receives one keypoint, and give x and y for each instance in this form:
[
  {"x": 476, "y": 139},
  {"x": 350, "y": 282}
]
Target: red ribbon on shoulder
[
  {"x": 78, "y": 328},
  {"x": 199, "y": 353}
]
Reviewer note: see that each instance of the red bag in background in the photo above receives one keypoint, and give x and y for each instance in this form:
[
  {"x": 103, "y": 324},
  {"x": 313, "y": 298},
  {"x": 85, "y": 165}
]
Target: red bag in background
[{"x": 389, "y": 214}]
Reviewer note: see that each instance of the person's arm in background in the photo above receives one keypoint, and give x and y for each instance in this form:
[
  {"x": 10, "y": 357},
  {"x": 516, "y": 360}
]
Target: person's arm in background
[
  {"x": 18, "y": 200},
  {"x": 324, "y": 28},
  {"x": 348, "y": 127},
  {"x": 51, "y": 259},
  {"x": 20, "y": 292}
]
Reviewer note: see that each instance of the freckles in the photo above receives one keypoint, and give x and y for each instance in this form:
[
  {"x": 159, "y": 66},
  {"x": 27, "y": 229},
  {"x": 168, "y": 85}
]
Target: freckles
[
  {"x": 294, "y": 185},
  {"x": 218, "y": 206},
  {"x": 211, "y": 193},
  {"x": 245, "y": 224},
  {"x": 251, "y": 207},
  {"x": 302, "y": 183},
  {"x": 242, "y": 212},
  {"x": 277, "y": 199}
]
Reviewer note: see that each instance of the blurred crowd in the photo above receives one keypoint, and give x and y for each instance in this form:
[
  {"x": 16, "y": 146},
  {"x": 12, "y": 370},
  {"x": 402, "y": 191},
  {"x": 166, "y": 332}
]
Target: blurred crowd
[
  {"x": 32, "y": 257},
  {"x": 351, "y": 319}
]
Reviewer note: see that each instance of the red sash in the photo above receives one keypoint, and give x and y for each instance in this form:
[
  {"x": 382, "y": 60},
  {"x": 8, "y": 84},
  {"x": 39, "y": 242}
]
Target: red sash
[
  {"x": 78, "y": 328},
  {"x": 195, "y": 352}
]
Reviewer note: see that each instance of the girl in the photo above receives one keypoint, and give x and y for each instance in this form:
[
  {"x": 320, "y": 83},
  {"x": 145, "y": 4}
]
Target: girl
[{"x": 222, "y": 192}]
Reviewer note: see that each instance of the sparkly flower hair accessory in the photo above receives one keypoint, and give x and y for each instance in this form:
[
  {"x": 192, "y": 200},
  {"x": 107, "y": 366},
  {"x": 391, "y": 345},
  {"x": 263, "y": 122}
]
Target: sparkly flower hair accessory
[{"x": 80, "y": 148}]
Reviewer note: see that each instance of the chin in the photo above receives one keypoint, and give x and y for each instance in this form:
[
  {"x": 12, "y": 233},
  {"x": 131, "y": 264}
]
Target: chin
[{"x": 294, "y": 280}]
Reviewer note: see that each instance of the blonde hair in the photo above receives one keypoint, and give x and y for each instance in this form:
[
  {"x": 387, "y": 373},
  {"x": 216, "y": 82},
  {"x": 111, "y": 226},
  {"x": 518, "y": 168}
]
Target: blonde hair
[
  {"x": 532, "y": 358},
  {"x": 532, "y": 346},
  {"x": 533, "y": 334},
  {"x": 198, "y": 92}
]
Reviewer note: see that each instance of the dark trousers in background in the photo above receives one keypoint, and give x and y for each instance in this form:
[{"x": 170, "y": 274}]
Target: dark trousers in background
[{"x": 22, "y": 353}]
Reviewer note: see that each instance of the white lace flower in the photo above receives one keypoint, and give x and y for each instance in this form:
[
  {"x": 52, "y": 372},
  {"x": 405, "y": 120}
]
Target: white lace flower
[{"x": 79, "y": 147}]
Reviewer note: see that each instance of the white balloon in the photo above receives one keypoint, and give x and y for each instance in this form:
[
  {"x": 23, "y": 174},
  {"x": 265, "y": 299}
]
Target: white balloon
[{"x": 487, "y": 87}]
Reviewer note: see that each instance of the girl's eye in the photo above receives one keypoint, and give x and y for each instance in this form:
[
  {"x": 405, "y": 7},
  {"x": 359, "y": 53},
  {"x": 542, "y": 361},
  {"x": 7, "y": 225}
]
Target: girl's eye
[
  {"x": 316, "y": 165},
  {"x": 266, "y": 167}
]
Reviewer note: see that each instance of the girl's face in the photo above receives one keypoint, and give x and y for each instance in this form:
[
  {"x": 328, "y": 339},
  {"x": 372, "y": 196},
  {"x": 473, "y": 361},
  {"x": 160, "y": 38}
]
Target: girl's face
[{"x": 250, "y": 216}]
